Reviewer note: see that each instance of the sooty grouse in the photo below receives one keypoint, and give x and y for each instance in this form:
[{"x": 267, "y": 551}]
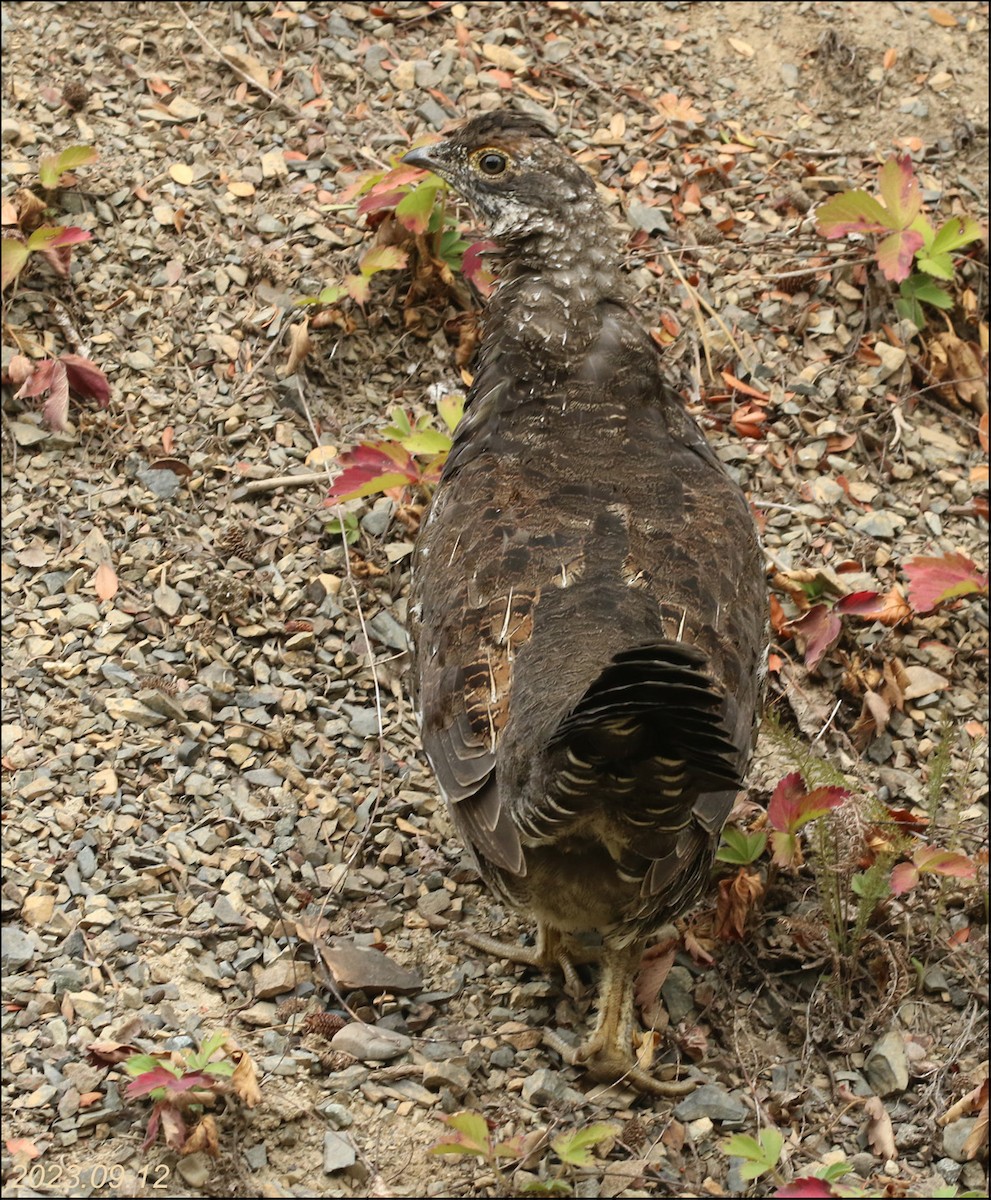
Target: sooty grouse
[{"x": 588, "y": 608}]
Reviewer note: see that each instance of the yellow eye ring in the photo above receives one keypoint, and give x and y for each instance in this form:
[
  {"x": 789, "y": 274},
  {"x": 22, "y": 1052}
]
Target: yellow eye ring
[{"x": 490, "y": 162}]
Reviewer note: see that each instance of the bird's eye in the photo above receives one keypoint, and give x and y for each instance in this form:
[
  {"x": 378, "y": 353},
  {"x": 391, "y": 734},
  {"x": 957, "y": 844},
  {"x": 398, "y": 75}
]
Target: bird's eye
[{"x": 492, "y": 163}]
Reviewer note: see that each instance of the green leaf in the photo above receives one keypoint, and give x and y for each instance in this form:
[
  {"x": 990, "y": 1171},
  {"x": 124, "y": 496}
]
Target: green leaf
[
  {"x": 15, "y": 255},
  {"x": 140, "y": 1064},
  {"x": 223, "y": 1069},
  {"x": 852, "y": 212},
  {"x": 758, "y": 1156},
  {"x": 413, "y": 211},
  {"x": 740, "y": 848},
  {"x": 199, "y": 1059},
  {"x": 474, "y": 1133},
  {"x": 940, "y": 265},
  {"x": 329, "y": 295},
  {"x": 900, "y": 191},
  {"x": 451, "y": 409},
  {"x": 954, "y": 233},
  {"x": 53, "y": 166},
  {"x": 428, "y": 441},
  {"x": 575, "y": 1148},
  {"x": 920, "y": 287}
]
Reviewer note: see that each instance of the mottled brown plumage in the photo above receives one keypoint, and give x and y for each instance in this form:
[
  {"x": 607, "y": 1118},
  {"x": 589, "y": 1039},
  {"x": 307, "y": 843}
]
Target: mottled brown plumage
[{"x": 588, "y": 607}]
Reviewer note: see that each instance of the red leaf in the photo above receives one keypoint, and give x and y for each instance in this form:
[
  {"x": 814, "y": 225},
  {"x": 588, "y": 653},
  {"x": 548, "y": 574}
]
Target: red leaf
[
  {"x": 896, "y": 254},
  {"x": 900, "y": 192},
  {"x": 373, "y": 202},
  {"x": 816, "y": 632},
  {"x": 934, "y": 581},
  {"x": 55, "y": 410},
  {"x": 39, "y": 381},
  {"x": 864, "y": 604},
  {"x": 792, "y": 806},
  {"x": 809, "y": 1186},
  {"x": 370, "y": 469},
  {"x": 86, "y": 379},
  {"x": 904, "y": 877},
  {"x": 474, "y": 269},
  {"x": 413, "y": 211},
  {"x": 944, "y": 862}
]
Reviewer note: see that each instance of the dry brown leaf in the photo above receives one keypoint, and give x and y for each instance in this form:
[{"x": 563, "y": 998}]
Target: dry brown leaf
[
  {"x": 244, "y": 1081},
  {"x": 105, "y": 581},
  {"x": 299, "y": 346},
  {"x": 880, "y": 1134},
  {"x": 246, "y": 64},
  {"x": 502, "y": 56},
  {"x": 738, "y": 895},
  {"x": 657, "y": 961},
  {"x": 203, "y": 1138},
  {"x": 181, "y": 173},
  {"x": 977, "y": 1142},
  {"x": 741, "y": 47},
  {"x": 890, "y": 58},
  {"x": 873, "y": 719},
  {"x": 941, "y": 17},
  {"x": 975, "y": 1099}
]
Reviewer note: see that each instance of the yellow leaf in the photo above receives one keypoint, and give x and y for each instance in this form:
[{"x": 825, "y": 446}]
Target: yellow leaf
[
  {"x": 105, "y": 581},
  {"x": 502, "y": 56},
  {"x": 181, "y": 173},
  {"x": 741, "y": 47},
  {"x": 163, "y": 214},
  {"x": 321, "y": 454},
  {"x": 241, "y": 187},
  {"x": 944, "y": 18}
]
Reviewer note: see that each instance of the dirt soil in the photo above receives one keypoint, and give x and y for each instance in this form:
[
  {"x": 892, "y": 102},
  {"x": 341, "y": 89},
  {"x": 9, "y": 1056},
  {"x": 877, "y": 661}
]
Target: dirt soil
[{"x": 213, "y": 789}]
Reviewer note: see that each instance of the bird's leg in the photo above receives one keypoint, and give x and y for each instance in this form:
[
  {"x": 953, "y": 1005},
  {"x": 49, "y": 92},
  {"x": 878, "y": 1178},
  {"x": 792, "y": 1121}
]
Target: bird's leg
[
  {"x": 607, "y": 1053},
  {"x": 552, "y": 947}
]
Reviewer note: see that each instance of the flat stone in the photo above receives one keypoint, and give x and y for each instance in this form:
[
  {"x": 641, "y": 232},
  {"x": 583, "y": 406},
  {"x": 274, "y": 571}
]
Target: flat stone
[
  {"x": 195, "y": 1169},
  {"x": 338, "y": 1153},
  {"x": 544, "y": 1087},
  {"x": 371, "y": 1043},
  {"x": 278, "y": 978},
  {"x": 453, "y": 1076},
  {"x": 358, "y": 968},
  {"x": 879, "y": 524},
  {"x": 712, "y": 1101},
  {"x": 887, "y": 1065},
  {"x": 955, "y": 1135}
]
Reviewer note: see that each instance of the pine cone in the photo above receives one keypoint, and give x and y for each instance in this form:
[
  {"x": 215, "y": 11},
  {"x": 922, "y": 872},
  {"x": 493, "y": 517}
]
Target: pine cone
[{"x": 75, "y": 96}]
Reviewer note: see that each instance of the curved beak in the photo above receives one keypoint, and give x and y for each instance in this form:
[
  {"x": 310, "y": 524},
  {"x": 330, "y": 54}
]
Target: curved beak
[{"x": 423, "y": 156}]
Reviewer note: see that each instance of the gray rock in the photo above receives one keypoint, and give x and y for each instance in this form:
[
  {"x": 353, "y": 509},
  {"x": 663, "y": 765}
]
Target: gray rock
[
  {"x": 676, "y": 992},
  {"x": 647, "y": 217},
  {"x": 385, "y": 628},
  {"x": 369, "y": 1043},
  {"x": 955, "y": 1135},
  {"x": 887, "y": 1065},
  {"x": 453, "y": 1076},
  {"x": 544, "y": 1087},
  {"x": 339, "y": 1116},
  {"x": 712, "y": 1101},
  {"x": 338, "y": 1153},
  {"x": 17, "y": 947},
  {"x": 880, "y": 524},
  {"x": 162, "y": 484},
  {"x": 950, "y": 1170},
  {"x": 195, "y": 1168}
]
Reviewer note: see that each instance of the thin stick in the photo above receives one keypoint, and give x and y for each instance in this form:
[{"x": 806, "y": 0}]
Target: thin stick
[{"x": 303, "y": 479}]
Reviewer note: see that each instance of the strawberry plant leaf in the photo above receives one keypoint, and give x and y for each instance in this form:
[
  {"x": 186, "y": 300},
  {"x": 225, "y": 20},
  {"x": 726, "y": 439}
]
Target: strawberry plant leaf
[
  {"x": 53, "y": 166},
  {"x": 739, "y": 847},
  {"x": 427, "y": 441},
  {"x": 160, "y": 1076},
  {"x": 954, "y": 233},
  {"x": 940, "y": 265},
  {"x": 943, "y": 862},
  {"x": 933, "y": 581},
  {"x": 382, "y": 258},
  {"x": 853, "y": 212},
  {"x": 904, "y": 877},
  {"x": 86, "y": 379},
  {"x": 55, "y": 410},
  {"x": 451, "y": 409},
  {"x": 900, "y": 191},
  {"x": 807, "y": 1188},
  {"x": 474, "y": 1136},
  {"x": 896, "y": 253},
  {"x": 816, "y": 632},
  {"x": 139, "y": 1064},
  {"x": 15, "y": 255},
  {"x": 414, "y": 210},
  {"x": 575, "y": 1148},
  {"x": 358, "y": 288},
  {"x": 792, "y": 807}
]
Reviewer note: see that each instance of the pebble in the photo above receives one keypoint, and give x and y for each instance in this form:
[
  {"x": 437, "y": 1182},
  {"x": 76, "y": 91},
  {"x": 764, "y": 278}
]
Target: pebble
[
  {"x": 544, "y": 1087},
  {"x": 955, "y": 1136},
  {"x": 371, "y": 1043},
  {"x": 453, "y": 1076},
  {"x": 195, "y": 1169},
  {"x": 713, "y": 1101},
  {"x": 338, "y": 1152},
  {"x": 887, "y": 1065}
]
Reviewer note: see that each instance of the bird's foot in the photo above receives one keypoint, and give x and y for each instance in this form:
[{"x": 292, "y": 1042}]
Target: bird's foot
[
  {"x": 551, "y": 948},
  {"x": 606, "y": 1063}
]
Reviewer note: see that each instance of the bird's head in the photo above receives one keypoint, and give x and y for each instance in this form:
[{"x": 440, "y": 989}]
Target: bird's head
[{"x": 512, "y": 171}]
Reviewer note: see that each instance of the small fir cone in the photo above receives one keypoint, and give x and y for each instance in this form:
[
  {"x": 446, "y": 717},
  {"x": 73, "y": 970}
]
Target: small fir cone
[
  {"x": 75, "y": 96},
  {"x": 634, "y": 1133},
  {"x": 238, "y": 540},
  {"x": 324, "y": 1023}
]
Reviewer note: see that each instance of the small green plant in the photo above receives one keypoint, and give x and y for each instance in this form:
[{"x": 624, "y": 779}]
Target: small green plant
[
  {"x": 348, "y": 526},
  {"x": 408, "y": 454},
  {"x": 740, "y": 848},
  {"x": 28, "y": 218},
  {"x": 184, "y": 1083},
  {"x": 416, "y": 228},
  {"x": 912, "y": 252},
  {"x": 760, "y": 1155},
  {"x": 473, "y": 1137}
]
